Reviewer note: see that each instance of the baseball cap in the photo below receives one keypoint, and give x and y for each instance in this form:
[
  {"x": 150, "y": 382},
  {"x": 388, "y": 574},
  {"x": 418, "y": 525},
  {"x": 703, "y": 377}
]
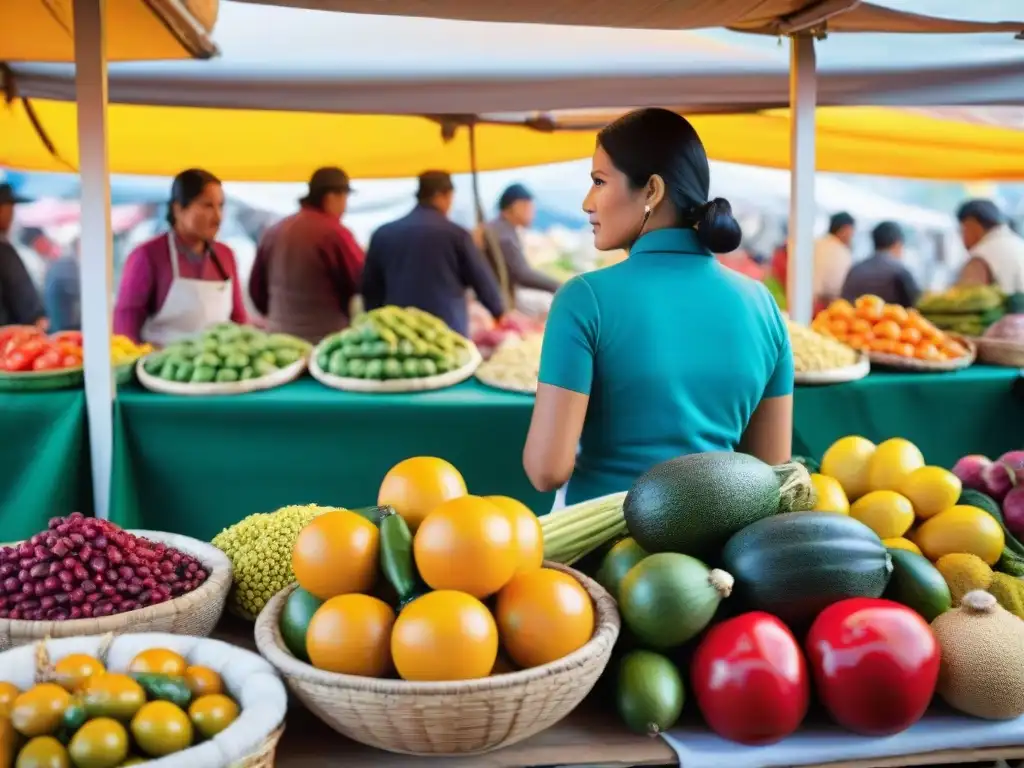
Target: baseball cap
[
  {"x": 328, "y": 179},
  {"x": 434, "y": 183},
  {"x": 513, "y": 194}
]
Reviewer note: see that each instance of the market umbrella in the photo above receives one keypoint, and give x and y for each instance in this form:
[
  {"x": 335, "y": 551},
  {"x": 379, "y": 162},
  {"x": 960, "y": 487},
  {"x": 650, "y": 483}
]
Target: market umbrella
[{"x": 139, "y": 30}]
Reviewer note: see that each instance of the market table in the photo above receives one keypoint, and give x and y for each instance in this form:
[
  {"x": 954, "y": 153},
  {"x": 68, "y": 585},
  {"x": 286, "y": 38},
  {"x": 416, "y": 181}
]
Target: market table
[
  {"x": 194, "y": 465},
  {"x": 44, "y": 459}
]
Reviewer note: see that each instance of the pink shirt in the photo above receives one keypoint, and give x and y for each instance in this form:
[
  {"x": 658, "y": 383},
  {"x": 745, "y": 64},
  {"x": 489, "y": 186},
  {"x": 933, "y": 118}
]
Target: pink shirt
[{"x": 147, "y": 278}]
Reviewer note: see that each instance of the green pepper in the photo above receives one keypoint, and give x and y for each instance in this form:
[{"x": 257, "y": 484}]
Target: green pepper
[
  {"x": 247, "y": 373},
  {"x": 168, "y": 370},
  {"x": 396, "y": 558},
  {"x": 203, "y": 374},
  {"x": 286, "y": 356},
  {"x": 392, "y": 368},
  {"x": 238, "y": 361},
  {"x": 165, "y": 688},
  {"x": 184, "y": 372},
  {"x": 208, "y": 359},
  {"x": 263, "y": 367},
  {"x": 411, "y": 367},
  {"x": 336, "y": 365},
  {"x": 226, "y": 376},
  {"x": 427, "y": 368},
  {"x": 375, "y": 369},
  {"x": 356, "y": 369}
]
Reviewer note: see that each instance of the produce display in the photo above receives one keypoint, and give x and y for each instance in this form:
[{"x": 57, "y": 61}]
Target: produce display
[
  {"x": 966, "y": 310},
  {"x": 489, "y": 335},
  {"x": 871, "y": 325},
  {"x": 394, "y": 343},
  {"x": 225, "y": 353},
  {"x": 514, "y": 365},
  {"x": 81, "y": 567},
  {"x": 26, "y": 349},
  {"x": 816, "y": 352},
  {"x": 87, "y": 716}
]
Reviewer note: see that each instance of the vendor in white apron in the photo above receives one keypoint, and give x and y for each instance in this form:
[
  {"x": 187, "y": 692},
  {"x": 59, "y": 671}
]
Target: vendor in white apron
[{"x": 179, "y": 283}]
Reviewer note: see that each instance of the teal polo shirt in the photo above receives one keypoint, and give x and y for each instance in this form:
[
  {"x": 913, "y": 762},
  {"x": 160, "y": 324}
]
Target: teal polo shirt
[{"x": 674, "y": 350}]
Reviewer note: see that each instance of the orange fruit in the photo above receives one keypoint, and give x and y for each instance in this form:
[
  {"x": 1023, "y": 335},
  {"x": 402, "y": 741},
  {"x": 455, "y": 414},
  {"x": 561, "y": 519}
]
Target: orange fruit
[
  {"x": 351, "y": 634},
  {"x": 444, "y": 635},
  {"x": 542, "y": 616},
  {"x": 8, "y": 693},
  {"x": 904, "y": 350},
  {"x": 857, "y": 342},
  {"x": 860, "y": 326},
  {"x": 910, "y": 335},
  {"x": 868, "y": 300},
  {"x": 953, "y": 348},
  {"x": 839, "y": 327},
  {"x": 895, "y": 313},
  {"x": 926, "y": 350},
  {"x": 883, "y": 345},
  {"x": 74, "y": 669},
  {"x": 887, "y": 329},
  {"x": 526, "y": 531},
  {"x": 417, "y": 485},
  {"x": 466, "y": 544},
  {"x": 840, "y": 308},
  {"x": 203, "y": 681},
  {"x": 159, "y": 661},
  {"x": 336, "y": 554}
]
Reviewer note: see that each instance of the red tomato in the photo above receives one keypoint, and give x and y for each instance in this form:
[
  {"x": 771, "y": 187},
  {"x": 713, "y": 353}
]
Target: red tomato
[
  {"x": 48, "y": 361},
  {"x": 70, "y": 361},
  {"x": 750, "y": 679},
  {"x": 875, "y": 664},
  {"x": 72, "y": 337}
]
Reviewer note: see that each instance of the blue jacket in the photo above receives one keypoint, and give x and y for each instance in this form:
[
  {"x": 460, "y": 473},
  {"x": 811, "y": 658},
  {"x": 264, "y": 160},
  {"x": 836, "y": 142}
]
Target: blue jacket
[{"x": 425, "y": 260}]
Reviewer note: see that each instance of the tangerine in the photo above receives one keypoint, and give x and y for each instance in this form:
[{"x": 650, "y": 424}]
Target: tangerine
[
  {"x": 895, "y": 313},
  {"x": 159, "y": 661},
  {"x": 8, "y": 693},
  {"x": 887, "y": 329},
  {"x": 904, "y": 350},
  {"x": 860, "y": 326},
  {"x": 38, "y": 711},
  {"x": 444, "y": 635},
  {"x": 351, "y": 634},
  {"x": 840, "y": 308},
  {"x": 203, "y": 681},
  {"x": 467, "y": 544},
  {"x": 74, "y": 669},
  {"x": 542, "y": 616},
  {"x": 526, "y": 530},
  {"x": 337, "y": 553},
  {"x": 910, "y": 336},
  {"x": 839, "y": 327},
  {"x": 417, "y": 485}
]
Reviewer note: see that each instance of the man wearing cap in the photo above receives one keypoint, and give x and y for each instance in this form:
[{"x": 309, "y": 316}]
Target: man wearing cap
[
  {"x": 425, "y": 260},
  {"x": 308, "y": 266},
  {"x": 515, "y": 212},
  {"x": 996, "y": 251},
  {"x": 19, "y": 300}
]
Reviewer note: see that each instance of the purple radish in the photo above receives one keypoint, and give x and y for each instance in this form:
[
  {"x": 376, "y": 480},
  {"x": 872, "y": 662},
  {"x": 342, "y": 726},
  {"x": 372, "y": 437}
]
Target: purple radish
[
  {"x": 999, "y": 480},
  {"x": 1013, "y": 511},
  {"x": 1015, "y": 461},
  {"x": 970, "y": 470}
]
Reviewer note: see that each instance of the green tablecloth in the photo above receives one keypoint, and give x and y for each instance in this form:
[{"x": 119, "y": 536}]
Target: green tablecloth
[
  {"x": 195, "y": 465},
  {"x": 44, "y": 460}
]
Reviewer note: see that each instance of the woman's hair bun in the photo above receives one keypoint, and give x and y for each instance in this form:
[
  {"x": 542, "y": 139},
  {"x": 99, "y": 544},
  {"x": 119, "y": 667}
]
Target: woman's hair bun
[{"x": 717, "y": 229}]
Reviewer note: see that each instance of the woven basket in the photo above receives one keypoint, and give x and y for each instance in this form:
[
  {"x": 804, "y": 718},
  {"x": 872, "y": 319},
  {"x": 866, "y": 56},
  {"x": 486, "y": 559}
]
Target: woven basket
[
  {"x": 249, "y": 742},
  {"x": 854, "y": 372},
  {"x": 446, "y": 718},
  {"x": 912, "y": 364},
  {"x": 392, "y": 386},
  {"x": 1001, "y": 352},
  {"x": 195, "y": 613}
]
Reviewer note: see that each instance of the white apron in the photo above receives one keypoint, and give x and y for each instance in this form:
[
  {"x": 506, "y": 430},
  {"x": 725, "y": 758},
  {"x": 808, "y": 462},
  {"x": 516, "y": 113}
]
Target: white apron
[{"x": 190, "y": 306}]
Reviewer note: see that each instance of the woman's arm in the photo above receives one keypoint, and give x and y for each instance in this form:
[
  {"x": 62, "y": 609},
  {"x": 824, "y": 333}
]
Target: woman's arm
[
  {"x": 555, "y": 428},
  {"x": 134, "y": 296},
  {"x": 769, "y": 435}
]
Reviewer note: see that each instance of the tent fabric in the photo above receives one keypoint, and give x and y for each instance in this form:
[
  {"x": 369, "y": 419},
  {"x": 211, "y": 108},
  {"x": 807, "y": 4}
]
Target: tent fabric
[
  {"x": 137, "y": 30},
  {"x": 770, "y": 17},
  {"x": 265, "y": 145}
]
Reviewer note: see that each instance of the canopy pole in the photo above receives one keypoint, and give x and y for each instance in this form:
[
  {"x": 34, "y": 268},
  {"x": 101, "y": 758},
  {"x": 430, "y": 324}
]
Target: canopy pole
[
  {"x": 803, "y": 87},
  {"x": 96, "y": 245}
]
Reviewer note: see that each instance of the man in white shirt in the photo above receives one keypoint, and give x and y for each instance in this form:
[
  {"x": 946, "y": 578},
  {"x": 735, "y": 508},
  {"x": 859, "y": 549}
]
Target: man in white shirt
[
  {"x": 996, "y": 251},
  {"x": 832, "y": 259}
]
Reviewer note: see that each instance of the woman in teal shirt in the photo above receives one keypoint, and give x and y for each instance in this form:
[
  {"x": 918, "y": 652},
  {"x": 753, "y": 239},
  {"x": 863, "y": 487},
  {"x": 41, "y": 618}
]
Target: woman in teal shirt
[{"x": 668, "y": 352}]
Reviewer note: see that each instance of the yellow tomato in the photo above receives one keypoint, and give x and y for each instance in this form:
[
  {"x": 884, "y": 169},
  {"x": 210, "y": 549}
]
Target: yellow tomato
[
  {"x": 830, "y": 496},
  {"x": 891, "y": 463},
  {"x": 847, "y": 461},
  {"x": 931, "y": 490},
  {"x": 961, "y": 529},
  {"x": 885, "y": 512},
  {"x": 901, "y": 543}
]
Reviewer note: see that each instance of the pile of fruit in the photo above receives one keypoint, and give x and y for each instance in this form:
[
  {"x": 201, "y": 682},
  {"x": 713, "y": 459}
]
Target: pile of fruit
[
  {"x": 871, "y": 325},
  {"x": 966, "y": 310},
  {"x": 814, "y": 351},
  {"x": 25, "y": 348},
  {"x": 124, "y": 351},
  {"x": 393, "y": 343},
  {"x": 489, "y": 335},
  {"x": 89, "y": 717},
  {"x": 515, "y": 364},
  {"x": 80, "y": 568},
  {"x": 225, "y": 353},
  {"x": 389, "y": 592}
]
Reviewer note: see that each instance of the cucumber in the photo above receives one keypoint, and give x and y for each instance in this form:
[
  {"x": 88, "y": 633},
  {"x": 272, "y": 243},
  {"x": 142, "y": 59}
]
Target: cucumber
[
  {"x": 165, "y": 688},
  {"x": 396, "y": 558},
  {"x": 295, "y": 617},
  {"x": 649, "y": 693},
  {"x": 917, "y": 584}
]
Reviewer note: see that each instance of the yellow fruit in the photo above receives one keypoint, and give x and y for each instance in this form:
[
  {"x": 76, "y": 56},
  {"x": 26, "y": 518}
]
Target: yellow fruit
[
  {"x": 964, "y": 573},
  {"x": 43, "y": 752},
  {"x": 830, "y": 495},
  {"x": 37, "y": 711},
  {"x": 901, "y": 543},
  {"x": 847, "y": 461},
  {"x": 891, "y": 463},
  {"x": 961, "y": 529},
  {"x": 160, "y": 728},
  {"x": 885, "y": 512},
  {"x": 931, "y": 490}
]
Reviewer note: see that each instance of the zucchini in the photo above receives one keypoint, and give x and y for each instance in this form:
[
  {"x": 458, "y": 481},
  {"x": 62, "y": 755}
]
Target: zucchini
[{"x": 396, "y": 558}]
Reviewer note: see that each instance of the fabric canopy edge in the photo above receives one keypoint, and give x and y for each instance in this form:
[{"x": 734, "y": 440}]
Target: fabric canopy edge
[{"x": 191, "y": 25}]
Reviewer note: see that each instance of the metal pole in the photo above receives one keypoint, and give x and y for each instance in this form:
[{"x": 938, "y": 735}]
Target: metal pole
[
  {"x": 803, "y": 87},
  {"x": 95, "y": 260}
]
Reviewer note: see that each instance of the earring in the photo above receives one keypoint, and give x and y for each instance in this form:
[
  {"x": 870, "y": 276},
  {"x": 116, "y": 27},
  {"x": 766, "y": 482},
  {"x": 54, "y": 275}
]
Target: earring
[{"x": 647, "y": 210}]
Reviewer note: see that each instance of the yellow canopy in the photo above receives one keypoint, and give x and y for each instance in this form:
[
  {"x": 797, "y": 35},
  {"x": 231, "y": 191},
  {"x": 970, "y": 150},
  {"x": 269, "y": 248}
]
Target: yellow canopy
[
  {"x": 253, "y": 145},
  {"x": 137, "y": 30}
]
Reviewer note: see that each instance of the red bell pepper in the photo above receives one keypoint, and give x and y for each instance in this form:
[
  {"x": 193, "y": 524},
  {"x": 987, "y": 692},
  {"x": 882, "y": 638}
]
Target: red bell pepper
[
  {"x": 875, "y": 664},
  {"x": 750, "y": 679}
]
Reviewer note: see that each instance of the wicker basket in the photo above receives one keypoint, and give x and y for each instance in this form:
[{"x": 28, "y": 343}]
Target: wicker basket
[
  {"x": 1001, "y": 352},
  {"x": 911, "y": 364},
  {"x": 195, "y": 613},
  {"x": 249, "y": 742},
  {"x": 446, "y": 718}
]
